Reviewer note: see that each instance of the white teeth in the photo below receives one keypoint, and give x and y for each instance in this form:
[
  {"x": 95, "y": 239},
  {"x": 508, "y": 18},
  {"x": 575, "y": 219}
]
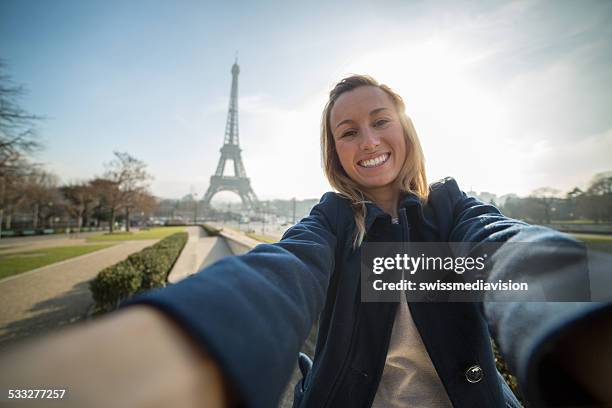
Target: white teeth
[{"x": 377, "y": 161}]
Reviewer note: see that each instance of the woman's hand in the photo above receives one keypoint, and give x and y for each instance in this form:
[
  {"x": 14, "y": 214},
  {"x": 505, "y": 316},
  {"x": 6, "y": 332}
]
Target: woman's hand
[
  {"x": 136, "y": 357},
  {"x": 586, "y": 354}
]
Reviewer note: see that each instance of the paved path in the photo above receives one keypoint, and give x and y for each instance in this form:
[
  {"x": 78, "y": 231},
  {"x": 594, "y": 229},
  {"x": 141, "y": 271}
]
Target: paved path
[
  {"x": 199, "y": 251},
  {"x": 46, "y": 240},
  {"x": 35, "y": 302}
]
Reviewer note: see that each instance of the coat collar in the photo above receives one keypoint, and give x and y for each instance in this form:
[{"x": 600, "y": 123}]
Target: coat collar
[{"x": 374, "y": 212}]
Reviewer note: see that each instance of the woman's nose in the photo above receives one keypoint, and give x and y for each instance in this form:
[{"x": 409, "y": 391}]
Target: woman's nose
[{"x": 369, "y": 140}]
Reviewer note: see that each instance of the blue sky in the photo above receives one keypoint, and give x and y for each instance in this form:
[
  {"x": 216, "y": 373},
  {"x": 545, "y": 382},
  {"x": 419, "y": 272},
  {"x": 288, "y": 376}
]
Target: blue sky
[{"x": 505, "y": 96}]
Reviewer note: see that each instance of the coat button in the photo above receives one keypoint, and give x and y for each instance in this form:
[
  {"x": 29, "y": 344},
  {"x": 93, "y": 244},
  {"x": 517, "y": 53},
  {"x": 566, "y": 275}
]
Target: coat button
[{"x": 474, "y": 374}]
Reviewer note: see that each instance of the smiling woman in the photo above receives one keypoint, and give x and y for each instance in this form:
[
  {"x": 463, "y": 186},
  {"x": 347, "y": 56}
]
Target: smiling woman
[
  {"x": 230, "y": 333},
  {"x": 370, "y": 148}
]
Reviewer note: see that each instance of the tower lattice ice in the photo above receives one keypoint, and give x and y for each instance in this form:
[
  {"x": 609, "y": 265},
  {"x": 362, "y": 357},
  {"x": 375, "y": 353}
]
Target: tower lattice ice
[{"x": 239, "y": 183}]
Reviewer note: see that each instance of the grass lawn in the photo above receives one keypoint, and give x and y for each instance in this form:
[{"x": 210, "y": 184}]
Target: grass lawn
[
  {"x": 153, "y": 233},
  {"x": 18, "y": 262},
  {"x": 262, "y": 238},
  {"x": 575, "y": 222},
  {"x": 596, "y": 242}
]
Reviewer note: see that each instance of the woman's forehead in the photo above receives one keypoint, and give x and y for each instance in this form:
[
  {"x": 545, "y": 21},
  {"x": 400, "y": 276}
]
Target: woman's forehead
[{"x": 358, "y": 102}]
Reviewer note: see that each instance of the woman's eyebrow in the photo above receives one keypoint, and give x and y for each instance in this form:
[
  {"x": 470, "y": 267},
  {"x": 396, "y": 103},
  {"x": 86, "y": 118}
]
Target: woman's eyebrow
[
  {"x": 342, "y": 122},
  {"x": 372, "y": 113}
]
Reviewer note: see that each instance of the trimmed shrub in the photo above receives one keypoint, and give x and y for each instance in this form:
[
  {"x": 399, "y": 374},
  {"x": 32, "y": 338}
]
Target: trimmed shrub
[
  {"x": 115, "y": 283},
  {"x": 140, "y": 272},
  {"x": 154, "y": 265}
]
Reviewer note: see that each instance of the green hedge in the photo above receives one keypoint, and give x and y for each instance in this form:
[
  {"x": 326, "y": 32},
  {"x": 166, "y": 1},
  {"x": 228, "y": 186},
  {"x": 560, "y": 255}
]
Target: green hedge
[
  {"x": 114, "y": 284},
  {"x": 140, "y": 272},
  {"x": 508, "y": 376}
]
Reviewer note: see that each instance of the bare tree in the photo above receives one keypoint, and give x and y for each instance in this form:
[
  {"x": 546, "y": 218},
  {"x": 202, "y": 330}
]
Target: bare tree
[
  {"x": 17, "y": 141},
  {"x": 131, "y": 178},
  {"x": 17, "y": 126},
  {"x": 42, "y": 196},
  {"x": 12, "y": 192},
  {"x": 146, "y": 204},
  {"x": 599, "y": 197},
  {"x": 79, "y": 200},
  {"x": 601, "y": 184},
  {"x": 545, "y": 197},
  {"x": 108, "y": 196}
]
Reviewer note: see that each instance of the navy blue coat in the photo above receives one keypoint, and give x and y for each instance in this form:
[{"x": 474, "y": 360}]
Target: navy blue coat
[{"x": 253, "y": 312}]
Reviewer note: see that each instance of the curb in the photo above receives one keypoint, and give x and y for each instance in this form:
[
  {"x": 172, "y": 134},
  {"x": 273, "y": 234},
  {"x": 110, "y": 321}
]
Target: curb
[{"x": 238, "y": 242}]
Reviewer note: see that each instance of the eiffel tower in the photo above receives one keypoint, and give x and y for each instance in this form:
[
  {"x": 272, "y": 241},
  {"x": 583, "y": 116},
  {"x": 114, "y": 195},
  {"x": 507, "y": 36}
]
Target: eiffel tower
[{"x": 238, "y": 183}]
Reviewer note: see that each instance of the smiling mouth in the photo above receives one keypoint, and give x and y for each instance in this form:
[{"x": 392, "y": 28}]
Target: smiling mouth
[{"x": 375, "y": 162}]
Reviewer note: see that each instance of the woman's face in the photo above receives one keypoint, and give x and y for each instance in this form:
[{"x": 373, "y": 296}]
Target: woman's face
[{"x": 368, "y": 136}]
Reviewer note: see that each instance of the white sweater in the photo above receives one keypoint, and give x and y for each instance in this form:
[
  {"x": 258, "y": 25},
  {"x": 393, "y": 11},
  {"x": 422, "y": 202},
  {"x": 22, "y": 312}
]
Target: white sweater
[{"x": 409, "y": 379}]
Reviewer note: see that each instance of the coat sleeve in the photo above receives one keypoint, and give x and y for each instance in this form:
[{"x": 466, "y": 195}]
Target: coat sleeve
[
  {"x": 253, "y": 312},
  {"x": 527, "y": 332}
]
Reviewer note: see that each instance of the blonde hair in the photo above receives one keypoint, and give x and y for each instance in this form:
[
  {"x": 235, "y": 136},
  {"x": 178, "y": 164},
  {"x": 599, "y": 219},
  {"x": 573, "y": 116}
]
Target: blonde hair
[{"x": 411, "y": 177}]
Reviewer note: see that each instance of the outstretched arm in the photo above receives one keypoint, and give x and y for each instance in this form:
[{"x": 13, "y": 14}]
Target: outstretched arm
[
  {"x": 250, "y": 314},
  {"x": 558, "y": 350},
  {"x": 136, "y": 357}
]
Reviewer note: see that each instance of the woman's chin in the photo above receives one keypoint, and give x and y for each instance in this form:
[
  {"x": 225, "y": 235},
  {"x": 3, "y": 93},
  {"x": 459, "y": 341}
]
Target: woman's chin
[{"x": 375, "y": 183}]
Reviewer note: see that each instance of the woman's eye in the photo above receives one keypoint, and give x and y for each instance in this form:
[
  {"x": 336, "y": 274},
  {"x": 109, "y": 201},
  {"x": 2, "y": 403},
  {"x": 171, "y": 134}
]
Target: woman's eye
[
  {"x": 349, "y": 133},
  {"x": 381, "y": 122}
]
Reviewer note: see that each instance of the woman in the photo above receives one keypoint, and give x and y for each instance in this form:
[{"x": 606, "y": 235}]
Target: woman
[{"x": 230, "y": 334}]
